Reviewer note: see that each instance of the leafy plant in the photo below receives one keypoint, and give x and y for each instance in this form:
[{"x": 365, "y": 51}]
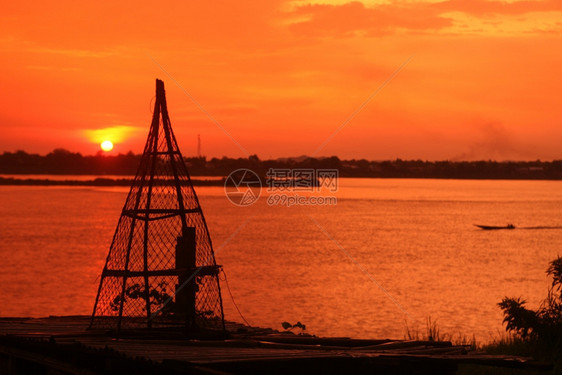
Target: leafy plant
[
  {"x": 157, "y": 296},
  {"x": 289, "y": 327},
  {"x": 544, "y": 324}
]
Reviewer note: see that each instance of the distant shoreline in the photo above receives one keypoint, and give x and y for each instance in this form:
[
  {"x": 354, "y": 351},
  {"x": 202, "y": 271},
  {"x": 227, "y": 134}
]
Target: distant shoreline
[
  {"x": 63, "y": 162},
  {"x": 126, "y": 182},
  {"x": 10, "y": 181}
]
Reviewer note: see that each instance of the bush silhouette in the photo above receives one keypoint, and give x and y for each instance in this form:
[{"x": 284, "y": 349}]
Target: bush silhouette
[{"x": 543, "y": 325}]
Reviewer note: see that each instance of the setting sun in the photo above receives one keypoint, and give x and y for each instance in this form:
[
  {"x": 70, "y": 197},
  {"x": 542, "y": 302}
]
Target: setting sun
[{"x": 106, "y": 146}]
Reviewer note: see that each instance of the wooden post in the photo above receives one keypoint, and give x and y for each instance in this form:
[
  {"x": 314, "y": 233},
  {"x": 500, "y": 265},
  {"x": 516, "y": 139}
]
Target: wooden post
[{"x": 185, "y": 262}]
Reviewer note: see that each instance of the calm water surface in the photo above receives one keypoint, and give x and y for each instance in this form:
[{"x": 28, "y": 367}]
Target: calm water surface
[{"x": 391, "y": 253}]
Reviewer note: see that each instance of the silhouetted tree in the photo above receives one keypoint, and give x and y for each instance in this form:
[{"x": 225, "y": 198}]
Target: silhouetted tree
[{"x": 61, "y": 161}]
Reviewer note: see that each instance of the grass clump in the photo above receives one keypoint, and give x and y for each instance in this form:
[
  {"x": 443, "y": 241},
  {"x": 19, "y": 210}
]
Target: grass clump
[{"x": 433, "y": 333}]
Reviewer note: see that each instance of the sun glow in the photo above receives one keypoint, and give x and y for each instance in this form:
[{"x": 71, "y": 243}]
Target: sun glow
[
  {"x": 106, "y": 145},
  {"x": 120, "y": 134}
]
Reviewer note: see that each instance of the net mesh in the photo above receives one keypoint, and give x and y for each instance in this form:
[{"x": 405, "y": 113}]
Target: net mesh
[{"x": 161, "y": 269}]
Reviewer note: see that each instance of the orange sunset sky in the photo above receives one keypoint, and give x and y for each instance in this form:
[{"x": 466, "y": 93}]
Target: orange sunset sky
[{"x": 479, "y": 79}]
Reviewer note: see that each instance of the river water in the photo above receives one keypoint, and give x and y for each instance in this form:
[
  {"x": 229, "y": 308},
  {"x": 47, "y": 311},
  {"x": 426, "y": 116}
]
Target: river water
[{"x": 388, "y": 255}]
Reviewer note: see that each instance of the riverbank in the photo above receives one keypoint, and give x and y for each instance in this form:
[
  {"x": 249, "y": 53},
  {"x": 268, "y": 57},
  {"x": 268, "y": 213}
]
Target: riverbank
[{"x": 63, "y": 344}]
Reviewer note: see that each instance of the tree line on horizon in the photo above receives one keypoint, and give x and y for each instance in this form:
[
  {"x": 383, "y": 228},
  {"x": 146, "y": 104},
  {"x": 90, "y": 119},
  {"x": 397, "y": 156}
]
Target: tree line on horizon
[{"x": 61, "y": 161}]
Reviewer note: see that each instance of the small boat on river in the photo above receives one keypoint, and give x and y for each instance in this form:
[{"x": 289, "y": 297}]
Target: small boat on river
[{"x": 492, "y": 227}]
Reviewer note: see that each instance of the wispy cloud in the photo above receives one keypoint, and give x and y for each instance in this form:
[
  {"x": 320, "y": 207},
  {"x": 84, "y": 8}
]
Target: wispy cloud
[
  {"x": 355, "y": 18},
  {"x": 487, "y": 7},
  {"x": 116, "y": 133},
  {"x": 73, "y": 52}
]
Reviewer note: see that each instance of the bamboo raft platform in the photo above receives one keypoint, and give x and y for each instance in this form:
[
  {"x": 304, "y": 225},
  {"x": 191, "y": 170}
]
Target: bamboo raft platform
[{"x": 62, "y": 345}]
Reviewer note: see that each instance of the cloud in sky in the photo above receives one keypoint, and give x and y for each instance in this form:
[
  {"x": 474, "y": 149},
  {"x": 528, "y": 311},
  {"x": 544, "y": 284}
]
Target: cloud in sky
[
  {"x": 357, "y": 18},
  {"x": 497, "y": 7},
  {"x": 284, "y": 72}
]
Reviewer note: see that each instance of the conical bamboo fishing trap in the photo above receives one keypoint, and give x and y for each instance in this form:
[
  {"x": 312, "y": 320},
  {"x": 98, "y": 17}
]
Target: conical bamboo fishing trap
[{"x": 161, "y": 269}]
